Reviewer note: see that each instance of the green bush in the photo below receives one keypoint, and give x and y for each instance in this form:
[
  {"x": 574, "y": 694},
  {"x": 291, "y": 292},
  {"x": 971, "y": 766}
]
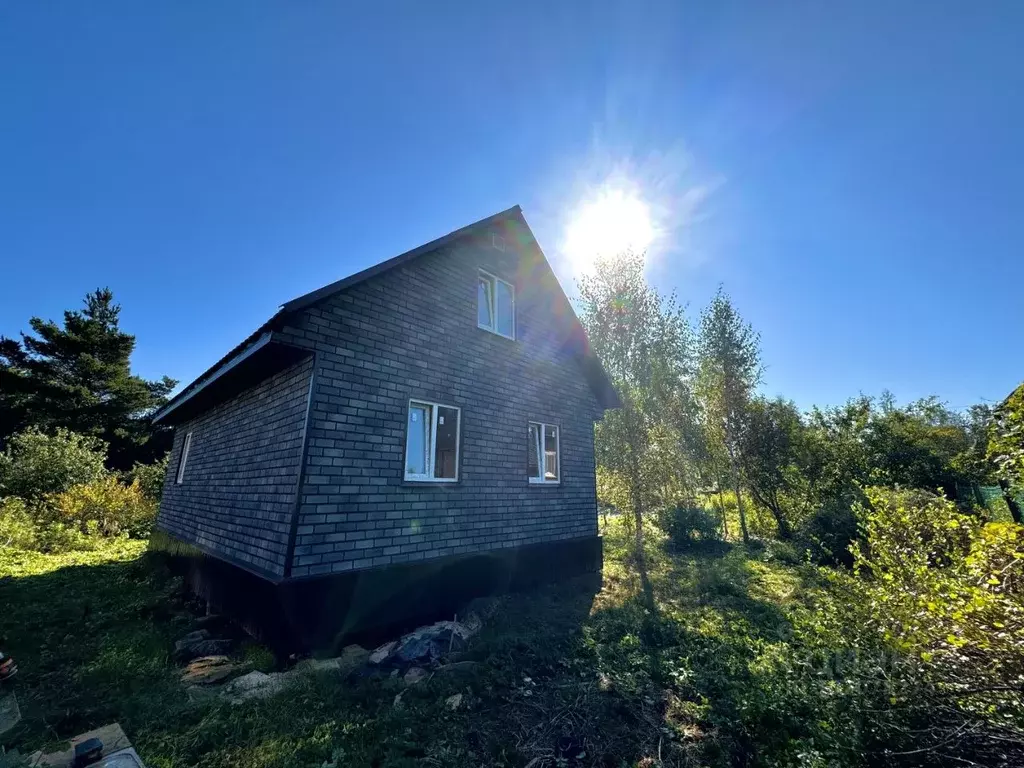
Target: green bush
[
  {"x": 946, "y": 588},
  {"x": 689, "y": 526},
  {"x": 150, "y": 478},
  {"x": 829, "y": 533},
  {"x": 36, "y": 463},
  {"x": 105, "y": 507},
  {"x": 17, "y": 527}
]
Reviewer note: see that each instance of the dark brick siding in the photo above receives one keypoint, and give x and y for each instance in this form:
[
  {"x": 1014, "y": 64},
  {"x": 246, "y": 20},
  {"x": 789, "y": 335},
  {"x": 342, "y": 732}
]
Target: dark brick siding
[
  {"x": 237, "y": 497},
  {"x": 411, "y": 332}
]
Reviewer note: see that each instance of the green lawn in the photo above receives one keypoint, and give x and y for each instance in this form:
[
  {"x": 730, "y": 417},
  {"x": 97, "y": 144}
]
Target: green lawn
[{"x": 687, "y": 663}]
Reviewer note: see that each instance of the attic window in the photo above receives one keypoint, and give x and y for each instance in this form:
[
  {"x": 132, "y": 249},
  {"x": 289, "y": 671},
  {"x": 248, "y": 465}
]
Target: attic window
[
  {"x": 498, "y": 242},
  {"x": 496, "y": 305}
]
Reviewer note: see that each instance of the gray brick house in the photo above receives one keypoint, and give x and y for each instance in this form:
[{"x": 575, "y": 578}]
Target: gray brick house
[{"x": 392, "y": 444}]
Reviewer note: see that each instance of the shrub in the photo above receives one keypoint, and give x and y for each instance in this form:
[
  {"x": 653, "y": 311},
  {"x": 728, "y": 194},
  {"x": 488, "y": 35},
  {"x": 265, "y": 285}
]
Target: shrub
[
  {"x": 17, "y": 527},
  {"x": 150, "y": 478},
  {"x": 829, "y": 533},
  {"x": 36, "y": 463},
  {"x": 945, "y": 587},
  {"x": 688, "y": 526},
  {"x": 105, "y": 507}
]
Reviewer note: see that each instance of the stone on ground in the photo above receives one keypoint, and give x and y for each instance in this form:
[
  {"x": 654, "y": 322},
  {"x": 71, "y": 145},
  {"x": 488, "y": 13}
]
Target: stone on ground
[
  {"x": 432, "y": 641},
  {"x": 199, "y": 643},
  {"x": 207, "y": 670},
  {"x": 255, "y": 685},
  {"x": 352, "y": 658},
  {"x": 383, "y": 652},
  {"x": 454, "y": 702},
  {"x": 414, "y": 675}
]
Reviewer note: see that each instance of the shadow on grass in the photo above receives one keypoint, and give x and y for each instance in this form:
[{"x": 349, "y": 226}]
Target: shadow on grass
[
  {"x": 657, "y": 664},
  {"x": 91, "y": 642}
]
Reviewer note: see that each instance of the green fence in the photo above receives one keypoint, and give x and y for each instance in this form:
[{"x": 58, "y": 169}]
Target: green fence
[{"x": 991, "y": 498}]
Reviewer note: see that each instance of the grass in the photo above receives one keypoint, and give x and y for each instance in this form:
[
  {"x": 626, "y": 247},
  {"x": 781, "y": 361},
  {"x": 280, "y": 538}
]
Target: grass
[{"x": 685, "y": 662}]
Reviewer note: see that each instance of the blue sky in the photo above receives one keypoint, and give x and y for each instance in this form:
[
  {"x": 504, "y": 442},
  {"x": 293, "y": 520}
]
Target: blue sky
[{"x": 853, "y": 175}]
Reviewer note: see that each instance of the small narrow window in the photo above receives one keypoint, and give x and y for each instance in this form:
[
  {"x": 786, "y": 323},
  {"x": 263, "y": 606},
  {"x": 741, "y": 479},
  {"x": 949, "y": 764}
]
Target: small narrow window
[
  {"x": 496, "y": 305},
  {"x": 432, "y": 443},
  {"x": 185, "y": 445},
  {"x": 543, "y": 465},
  {"x": 497, "y": 241}
]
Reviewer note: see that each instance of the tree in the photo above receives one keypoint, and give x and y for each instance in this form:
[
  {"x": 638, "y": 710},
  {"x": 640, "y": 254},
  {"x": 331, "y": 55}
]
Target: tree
[
  {"x": 644, "y": 343},
  {"x": 1006, "y": 447},
  {"x": 78, "y": 377},
  {"x": 769, "y": 446},
  {"x": 729, "y": 370}
]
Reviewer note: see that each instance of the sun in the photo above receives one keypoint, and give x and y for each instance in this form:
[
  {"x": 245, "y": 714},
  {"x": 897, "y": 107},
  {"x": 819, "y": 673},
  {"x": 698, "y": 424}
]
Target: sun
[{"x": 610, "y": 222}]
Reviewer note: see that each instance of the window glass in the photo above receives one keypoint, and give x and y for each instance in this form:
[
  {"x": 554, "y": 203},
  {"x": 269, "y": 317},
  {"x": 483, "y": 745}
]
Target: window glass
[
  {"x": 550, "y": 452},
  {"x": 484, "y": 303},
  {"x": 183, "y": 459},
  {"x": 417, "y": 449},
  {"x": 505, "y": 309},
  {"x": 533, "y": 467},
  {"x": 446, "y": 442}
]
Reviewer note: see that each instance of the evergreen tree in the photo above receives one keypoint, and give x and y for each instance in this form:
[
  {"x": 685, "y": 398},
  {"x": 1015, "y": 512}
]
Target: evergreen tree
[{"x": 79, "y": 377}]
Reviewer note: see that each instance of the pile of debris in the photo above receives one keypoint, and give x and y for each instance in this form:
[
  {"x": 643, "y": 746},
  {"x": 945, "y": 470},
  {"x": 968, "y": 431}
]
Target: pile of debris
[{"x": 413, "y": 657}]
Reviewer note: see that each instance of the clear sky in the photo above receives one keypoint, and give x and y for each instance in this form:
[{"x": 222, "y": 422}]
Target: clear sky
[{"x": 853, "y": 175}]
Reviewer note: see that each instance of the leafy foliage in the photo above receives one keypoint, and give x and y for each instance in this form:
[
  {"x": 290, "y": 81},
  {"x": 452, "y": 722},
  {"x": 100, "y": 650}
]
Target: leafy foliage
[
  {"x": 688, "y": 526},
  {"x": 730, "y": 368},
  {"x": 150, "y": 478},
  {"x": 36, "y": 464},
  {"x": 105, "y": 507},
  {"x": 946, "y": 587},
  {"x": 644, "y": 342},
  {"x": 1006, "y": 439}
]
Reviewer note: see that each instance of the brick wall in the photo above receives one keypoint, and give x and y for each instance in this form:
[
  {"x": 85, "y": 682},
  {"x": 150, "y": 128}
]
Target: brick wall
[
  {"x": 411, "y": 332},
  {"x": 238, "y": 493}
]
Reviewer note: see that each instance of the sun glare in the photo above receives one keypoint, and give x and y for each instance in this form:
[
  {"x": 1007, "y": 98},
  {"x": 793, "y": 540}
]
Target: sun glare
[{"x": 611, "y": 222}]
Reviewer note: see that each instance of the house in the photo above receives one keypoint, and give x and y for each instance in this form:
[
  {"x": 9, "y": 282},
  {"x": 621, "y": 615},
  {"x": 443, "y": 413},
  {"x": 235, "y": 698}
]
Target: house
[{"x": 390, "y": 445}]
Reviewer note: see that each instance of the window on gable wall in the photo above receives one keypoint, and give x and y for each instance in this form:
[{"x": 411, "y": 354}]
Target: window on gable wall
[
  {"x": 496, "y": 305},
  {"x": 544, "y": 456},
  {"x": 432, "y": 443}
]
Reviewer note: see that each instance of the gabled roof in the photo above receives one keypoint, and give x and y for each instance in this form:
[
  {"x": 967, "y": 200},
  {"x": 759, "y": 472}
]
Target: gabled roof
[{"x": 579, "y": 344}]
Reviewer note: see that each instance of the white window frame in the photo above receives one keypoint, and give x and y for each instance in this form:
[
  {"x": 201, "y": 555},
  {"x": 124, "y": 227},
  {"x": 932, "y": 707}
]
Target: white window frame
[
  {"x": 540, "y": 459},
  {"x": 432, "y": 455},
  {"x": 493, "y": 328},
  {"x": 179, "y": 477}
]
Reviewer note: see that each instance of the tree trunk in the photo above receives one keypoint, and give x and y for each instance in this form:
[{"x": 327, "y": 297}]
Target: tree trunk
[
  {"x": 739, "y": 497},
  {"x": 739, "y": 506},
  {"x": 785, "y": 532},
  {"x": 721, "y": 503},
  {"x": 1011, "y": 502}
]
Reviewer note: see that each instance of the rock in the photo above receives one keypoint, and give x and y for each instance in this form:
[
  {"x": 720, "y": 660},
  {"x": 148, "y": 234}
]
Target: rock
[
  {"x": 432, "y": 641},
  {"x": 203, "y": 648},
  {"x": 383, "y": 652},
  {"x": 472, "y": 623},
  {"x": 352, "y": 658},
  {"x": 459, "y": 667},
  {"x": 208, "y": 669},
  {"x": 199, "y": 643},
  {"x": 397, "y": 703},
  {"x": 414, "y": 675},
  {"x": 454, "y": 702},
  {"x": 255, "y": 685}
]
